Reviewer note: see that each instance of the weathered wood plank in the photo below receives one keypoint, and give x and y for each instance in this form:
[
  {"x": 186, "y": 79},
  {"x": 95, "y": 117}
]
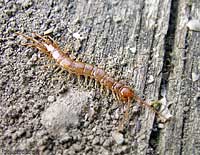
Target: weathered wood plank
[{"x": 181, "y": 135}]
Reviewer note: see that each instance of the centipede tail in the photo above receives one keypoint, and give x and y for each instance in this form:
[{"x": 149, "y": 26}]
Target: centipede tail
[{"x": 143, "y": 103}]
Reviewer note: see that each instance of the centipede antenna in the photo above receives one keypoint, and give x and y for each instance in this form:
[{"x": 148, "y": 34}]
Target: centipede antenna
[
  {"x": 27, "y": 37},
  {"x": 35, "y": 43},
  {"x": 41, "y": 48},
  {"x": 54, "y": 42},
  {"x": 29, "y": 44},
  {"x": 41, "y": 37}
]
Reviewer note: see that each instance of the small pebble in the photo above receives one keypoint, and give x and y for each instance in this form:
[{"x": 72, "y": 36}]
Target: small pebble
[
  {"x": 142, "y": 137},
  {"x": 77, "y": 147},
  {"x": 14, "y": 136},
  {"x": 26, "y": 3},
  {"x": 48, "y": 31},
  {"x": 95, "y": 141},
  {"x": 118, "y": 137},
  {"x": 8, "y": 133},
  {"x": 122, "y": 150},
  {"x": 164, "y": 109},
  {"x": 66, "y": 138},
  {"x": 194, "y": 25},
  {"x": 195, "y": 77},
  {"x": 88, "y": 148},
  {"x": 197, "y": 97},
  {"x": 161, "y": 125},
  {"x": 107, "y": 143},
  {"x": 117, "y": 19},
  {"x": 51, "y": 99},
  {"x": 34, "y": 57},
  {"x": 105, "y": 152},
  {"x": 20, "y": 132},
  {"x": 77, "y": 36},
  {"x": 86, "y": 124},
  {"x": 151, "y": 79},
  {"x": 28, "y": 134},
  {"x": 186, "y": 109},
  {"x": 133, "y": 50},
  {"x": 90, "y": 137},
  {"x": 67, "y": 152}
]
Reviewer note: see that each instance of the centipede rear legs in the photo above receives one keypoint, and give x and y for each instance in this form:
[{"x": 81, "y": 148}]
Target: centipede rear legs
[{"x": 125, "y": 116}]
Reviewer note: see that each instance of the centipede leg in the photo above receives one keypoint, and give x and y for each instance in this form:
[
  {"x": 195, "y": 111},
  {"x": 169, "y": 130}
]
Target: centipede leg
[
  {"x": 95, "y": 84},
  {"x": 54, "y": 42},
  {"x": 50, "y": 65},
  {"x": 78, "y": 58},
  {"x": 127, "y": 109},
  {"x": 68, "y": 49},
  {"x": 113, "y": 93},
  {"x": 79, "y": 79},
  {"x": 61, "y": 71},
  {"x": 101, "y": 88},
  {"x": 121, "y": 125},
  {"x": 125, "y": 116},
  {"x": 57, "y": 69},
  {"x": 107, "y": 92},
  {"x": 86, "y": 80},
  {"x": 43, "y": 38},
  {"x": 29, "y": 44},
  {"x": 69, "y": 75},
  {"x": 90, "y": 83}
]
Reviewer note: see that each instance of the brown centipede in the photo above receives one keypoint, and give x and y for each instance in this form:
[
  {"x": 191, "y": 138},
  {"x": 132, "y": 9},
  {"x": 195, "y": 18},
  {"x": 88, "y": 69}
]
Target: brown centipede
[{"x": 121, "y": 91}]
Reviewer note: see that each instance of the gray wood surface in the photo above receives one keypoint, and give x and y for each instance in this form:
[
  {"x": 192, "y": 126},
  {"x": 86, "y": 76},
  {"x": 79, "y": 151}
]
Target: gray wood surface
[
  {"x": 181, "y": 136},
  {"x": 145, "y": 43}
]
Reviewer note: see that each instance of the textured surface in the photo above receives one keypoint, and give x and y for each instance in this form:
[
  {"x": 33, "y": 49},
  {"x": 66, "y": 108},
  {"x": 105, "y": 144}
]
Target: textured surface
[
  {"x": 181, "y": 136},
  {"x": 135, "y": 41}
]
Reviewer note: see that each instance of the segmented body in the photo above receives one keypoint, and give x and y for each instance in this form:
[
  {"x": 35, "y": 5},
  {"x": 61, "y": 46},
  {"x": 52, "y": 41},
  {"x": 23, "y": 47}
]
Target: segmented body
[{"x": 123, "y": 92}]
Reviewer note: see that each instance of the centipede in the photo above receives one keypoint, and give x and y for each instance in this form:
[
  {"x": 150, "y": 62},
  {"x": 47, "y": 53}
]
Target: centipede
[{"x": 122, "y": 92}]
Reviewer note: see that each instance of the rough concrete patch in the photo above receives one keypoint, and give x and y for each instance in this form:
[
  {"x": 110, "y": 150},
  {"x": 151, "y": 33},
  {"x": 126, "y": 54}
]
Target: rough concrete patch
[{"x": 64, "y": 113}]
